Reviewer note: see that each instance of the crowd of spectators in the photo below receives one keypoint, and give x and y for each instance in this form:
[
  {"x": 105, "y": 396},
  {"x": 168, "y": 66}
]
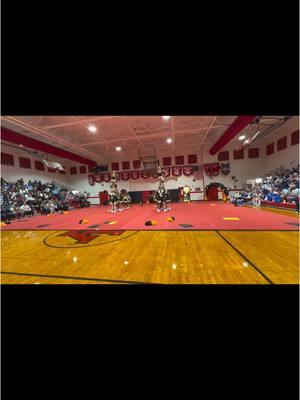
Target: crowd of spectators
[
  {"x": 282, "y": 186},
  {"x": 19, "y": 199}
]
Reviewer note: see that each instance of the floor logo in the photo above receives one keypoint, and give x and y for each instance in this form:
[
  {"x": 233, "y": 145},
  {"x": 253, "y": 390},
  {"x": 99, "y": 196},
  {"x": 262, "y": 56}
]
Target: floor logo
[{"x": 85, "y": 238}]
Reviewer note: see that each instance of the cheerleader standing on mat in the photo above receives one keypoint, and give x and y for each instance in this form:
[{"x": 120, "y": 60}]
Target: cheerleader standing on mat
[
  {"x": 119, "y": 202},
  {"x": 161, "y": 195},
  {"x": 187, "y": 194},
  {"x": 125, "y": 199},
  {"x": 128, "y": 201},
  {"x": 114, "y": 196}
]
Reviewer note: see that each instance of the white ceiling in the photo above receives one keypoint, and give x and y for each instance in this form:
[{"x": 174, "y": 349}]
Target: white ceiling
[{"x": 132, "y": 133}]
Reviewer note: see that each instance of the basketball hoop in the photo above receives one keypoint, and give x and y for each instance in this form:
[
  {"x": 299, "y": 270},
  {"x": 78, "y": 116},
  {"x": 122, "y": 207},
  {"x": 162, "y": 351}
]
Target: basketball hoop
[
  {"x": 150, "y": 167},
  {"x": 149, "y": 162}
]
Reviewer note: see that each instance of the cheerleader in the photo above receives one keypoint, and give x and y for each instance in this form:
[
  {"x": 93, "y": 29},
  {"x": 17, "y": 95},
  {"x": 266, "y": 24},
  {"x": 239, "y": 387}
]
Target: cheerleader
[
  {"x": 114, "y": 196},
  {"x": 119, "y": 201},
  {"x": 161, "y": 199},
  {"x": 125, "y": 199},
  {"x": 186, "y": 194},
  {"x": 113, "y": 200}
]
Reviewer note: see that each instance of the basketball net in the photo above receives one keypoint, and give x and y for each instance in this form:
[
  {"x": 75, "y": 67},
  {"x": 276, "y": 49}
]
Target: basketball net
[{"x": 150, "y": 167}]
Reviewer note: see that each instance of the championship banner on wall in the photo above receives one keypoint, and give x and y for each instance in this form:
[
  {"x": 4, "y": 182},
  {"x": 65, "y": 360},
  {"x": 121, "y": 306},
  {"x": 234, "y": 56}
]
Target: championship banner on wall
[
  {"x": 187, "y": 170},
  {"x": 106, "y": 177},
  {"x": 125, "y": 175},
  {"x": 225, "y": 168},
  {"x": 215, "y": 169},
  {"x": 98, "y": 178},
  {"x": 134, "y": 174},
  {"x": 176, "y": 171},
  {"x": 207, "y": 169},
  {"x": 166, "y": 171},
  {"x": 145, "y": 174}
]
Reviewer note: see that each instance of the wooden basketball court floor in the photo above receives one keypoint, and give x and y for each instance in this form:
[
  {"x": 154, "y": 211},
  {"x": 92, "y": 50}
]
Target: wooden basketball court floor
[{"x": 150, "y": 257}]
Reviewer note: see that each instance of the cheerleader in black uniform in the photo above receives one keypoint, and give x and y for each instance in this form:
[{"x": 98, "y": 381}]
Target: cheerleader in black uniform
[
  {"x": 114, "y": 196},
  {"x": 113, "y": 201},
  {"x": 125, "y": 200},
  {"x": 119, "y": 201},
  {"x": 161, "y": 195}
]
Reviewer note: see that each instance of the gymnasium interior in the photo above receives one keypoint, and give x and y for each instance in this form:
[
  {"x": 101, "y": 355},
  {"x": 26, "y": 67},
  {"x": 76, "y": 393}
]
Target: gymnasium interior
[{"x": 230, "y": 214}]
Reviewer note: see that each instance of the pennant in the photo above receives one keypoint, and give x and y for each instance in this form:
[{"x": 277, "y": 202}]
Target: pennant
[
  {"x": 215, "y": 169},
  {"x": 176, "y": 171},
  {"x": 145, "y": 174},
  {"x": 166, "y": 171},
  {"x": 225, "y": 168},
  {"x": 125, "y": 175},
  {"x": 207, "y": 169},
  {"x": 106, "y": 177},
  {"x": 134, "y": 174},
  {"x": 187, "y": 170},
  {"x": 98, "y": 178}
]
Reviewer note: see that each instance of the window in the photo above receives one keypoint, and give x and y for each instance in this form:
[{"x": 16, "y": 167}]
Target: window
[
  {"x": 295, "y": 137},
  {"x": 167, "y": 161},
  {"x": 223, "y": 156},
  {"x": 179, "y": 160},
  {"x": 39, "y": 166},
  {"x": 253, "y": 153},
  {"x": 52, "y": 170},
  {"x": 115, "y": 166},
  {"x": 7, "y": 159},
  {"x": 136, "y": 164},
  {"x": 238, "y": 154},
  {"x": 282, "y": 143},
  {"x": 270, "y": 149},
  {"x": 25, "y": 162},
  {"x": 126, "y": 165},
  {"x": 192, "y": 159}
]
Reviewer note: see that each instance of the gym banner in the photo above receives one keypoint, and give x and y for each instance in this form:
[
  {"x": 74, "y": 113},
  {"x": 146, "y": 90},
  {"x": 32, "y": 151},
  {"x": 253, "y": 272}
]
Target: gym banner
[
  {"x": 98, "y": 178},
  {"x": 145, "y": 174},
  {"x": 215, "y": 167},
  {"x": 176, "y": 171},
  {"x": 106, "y": 177},
  {"x": 134, "y": 174},
  {"x": 225, "y": 168},
  {"x": 207, "y": 169},
  {"x": 125, "y": 175},
  {"x": 187, "y": 170},
  {"x": 166, "y": 171}
]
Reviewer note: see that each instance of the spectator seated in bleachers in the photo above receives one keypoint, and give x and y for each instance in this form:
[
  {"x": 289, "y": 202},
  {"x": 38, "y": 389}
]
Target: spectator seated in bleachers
[
  {"x": 26, "y": 210},
  {"x": 19, "y": 199},
  {"x": 282, "y": 186}
]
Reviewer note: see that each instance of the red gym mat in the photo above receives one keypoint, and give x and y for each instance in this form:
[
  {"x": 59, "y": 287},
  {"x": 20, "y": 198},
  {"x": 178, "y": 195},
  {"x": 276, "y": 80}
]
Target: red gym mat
[{"x": 193, "y": 216}]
